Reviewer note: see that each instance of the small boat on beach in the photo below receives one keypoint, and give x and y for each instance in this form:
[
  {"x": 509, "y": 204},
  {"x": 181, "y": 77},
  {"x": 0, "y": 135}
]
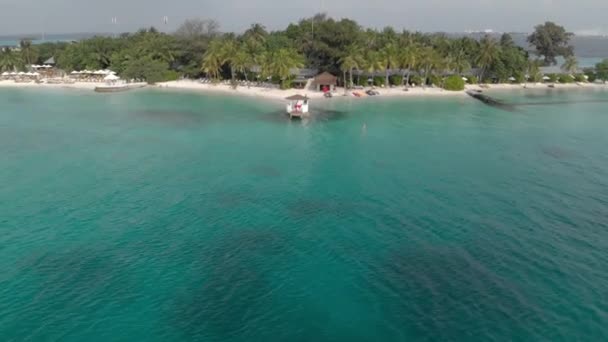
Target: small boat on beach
[{"x": 297, "y": 106}]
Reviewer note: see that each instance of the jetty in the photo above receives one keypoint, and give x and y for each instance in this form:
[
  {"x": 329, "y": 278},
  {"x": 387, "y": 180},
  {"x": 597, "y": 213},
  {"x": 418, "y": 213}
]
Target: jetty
[{"x": 490, "y": 101}]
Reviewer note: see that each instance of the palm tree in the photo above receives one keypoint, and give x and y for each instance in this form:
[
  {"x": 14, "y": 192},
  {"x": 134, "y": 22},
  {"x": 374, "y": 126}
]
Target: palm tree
[
  {"x": 428, "y": 59},
  {"x": 350, "y": 61},
  {"x": 534, "y": 69},
  {"x": 9, "y": 61},
  {"x": 283, "y": 60},
  {"x": 241, "y": 62},
  {"x": 570, "y": 65},
  {"x": 440, "y": 65},
  {"x": 212, "y": 60},
  {"x": 409, "y": 59},
  {"x": 372, "y": 62},
  {"x": 256, "y": 34},
  {"x": 389, "y": 57},
  {"x": 100, "y": 52},
  {"x": 27, "y": 52},
  {"x": 228, "y": 52},
  {"x": 488, "y": 53},
  {"x": 458, "y": 62}
]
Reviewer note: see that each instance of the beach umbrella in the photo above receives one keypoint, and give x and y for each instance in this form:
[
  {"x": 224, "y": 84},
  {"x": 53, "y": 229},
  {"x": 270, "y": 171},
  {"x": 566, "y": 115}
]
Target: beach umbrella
[
  {"x": 465, "y": 79},
  {"x": 13, "y": 73},
  {"x": 5, "y": 73},
  {"x": 511, "y": 78},
  {"x": 75, "y": 72},
  {"x": 586, "y": 77},
  {"x": 111, "y": 78},
  {"x": 20, "y": 73},
  {"x": 47, "y": 66},
  {"x": 35, "y": 74},
  {"x": 546, "y": 78}
]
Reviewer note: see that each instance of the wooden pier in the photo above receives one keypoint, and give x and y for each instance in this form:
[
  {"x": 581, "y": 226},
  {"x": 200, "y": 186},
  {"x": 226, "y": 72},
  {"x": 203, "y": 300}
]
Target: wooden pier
[{"x": 490, "y": 101}]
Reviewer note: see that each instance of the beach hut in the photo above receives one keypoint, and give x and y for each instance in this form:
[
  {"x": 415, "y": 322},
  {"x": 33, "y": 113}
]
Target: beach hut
[{"x": 325, "y": 82}]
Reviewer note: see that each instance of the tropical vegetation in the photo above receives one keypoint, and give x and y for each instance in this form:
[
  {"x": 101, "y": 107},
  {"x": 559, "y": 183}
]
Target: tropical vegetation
[{"x": 342, "y": 47}]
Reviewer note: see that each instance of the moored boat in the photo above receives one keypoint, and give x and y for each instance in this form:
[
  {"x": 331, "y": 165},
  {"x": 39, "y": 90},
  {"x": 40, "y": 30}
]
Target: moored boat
[{"x": 297, "y": 106}]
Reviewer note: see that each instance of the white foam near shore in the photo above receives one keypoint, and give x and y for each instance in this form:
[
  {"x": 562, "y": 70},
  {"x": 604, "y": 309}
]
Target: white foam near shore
[
  {"x": 273, "y": 93},
  {"x": 396, "y": 91},
  {"x": 277, "y": 94}
]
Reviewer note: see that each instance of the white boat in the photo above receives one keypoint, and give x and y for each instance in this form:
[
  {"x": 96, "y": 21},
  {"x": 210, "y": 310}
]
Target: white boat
[{"x": 297, "y": 106}]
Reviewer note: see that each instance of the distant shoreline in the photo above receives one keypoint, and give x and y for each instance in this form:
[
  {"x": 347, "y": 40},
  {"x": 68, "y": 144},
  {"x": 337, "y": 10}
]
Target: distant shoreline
[{"x": 277, "y": 94}]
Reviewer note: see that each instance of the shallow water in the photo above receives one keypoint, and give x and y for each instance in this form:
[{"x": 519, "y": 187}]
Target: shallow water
[{"x": 164, "y": 216}]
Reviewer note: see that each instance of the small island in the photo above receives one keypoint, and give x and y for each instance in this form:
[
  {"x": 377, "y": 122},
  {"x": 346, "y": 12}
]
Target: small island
[{"x": 353, "y": 60}]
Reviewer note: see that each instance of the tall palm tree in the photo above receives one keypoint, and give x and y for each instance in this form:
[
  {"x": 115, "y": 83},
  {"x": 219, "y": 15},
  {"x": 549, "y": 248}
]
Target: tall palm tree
[
  {"x": 27, "y": 51},
  {"x": 534, "y": 70},
  {"x": 570, "y": 65},
  {"x": 241, "y": 62},
  {"x": 9, "y": 61},
  {"x": 350, "y": 61},
  {"x": 372, "y": 62},
  {"x": 389, "y": 57},
  {"x": 228, "y": 52},
  {"x": 440, "y": 65},
  {"x": 283, "y": 60},
  {"x": 212, "y": 60},
  {"x": 489, "y": 51},
  {"x": 458, "y": 62},
  {"x": 428, "y": 60},
  {"x": 409, "y": 59},
  {"x": 257, "y": 34}
]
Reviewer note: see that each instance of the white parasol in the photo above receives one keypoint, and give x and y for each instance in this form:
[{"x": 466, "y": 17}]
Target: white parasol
[{"x": 111, "y": 78}]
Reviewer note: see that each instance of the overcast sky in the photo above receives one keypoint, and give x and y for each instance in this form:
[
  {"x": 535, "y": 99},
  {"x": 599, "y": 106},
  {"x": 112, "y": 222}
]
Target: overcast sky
[{"x": 70, "y": 16}]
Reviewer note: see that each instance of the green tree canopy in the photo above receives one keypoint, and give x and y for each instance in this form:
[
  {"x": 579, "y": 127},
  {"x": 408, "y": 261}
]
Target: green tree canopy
[
  {"x": 601, "y": 70},
  {"x": 551, "y": 41}
]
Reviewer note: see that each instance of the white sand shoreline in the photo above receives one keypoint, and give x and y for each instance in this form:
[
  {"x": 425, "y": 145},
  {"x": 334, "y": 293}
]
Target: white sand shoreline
[{"x": 277, "y": 94}]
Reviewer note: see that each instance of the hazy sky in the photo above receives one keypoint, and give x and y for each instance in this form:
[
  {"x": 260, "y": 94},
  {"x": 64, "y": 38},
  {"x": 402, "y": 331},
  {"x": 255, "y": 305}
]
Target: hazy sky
[{"x": 67, "y": 16}]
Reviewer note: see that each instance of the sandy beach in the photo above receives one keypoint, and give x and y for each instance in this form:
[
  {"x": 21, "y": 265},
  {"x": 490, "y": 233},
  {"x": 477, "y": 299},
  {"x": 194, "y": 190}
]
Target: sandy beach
[
  {"x": 76, "y": 85},
  {"x": 278, "y": 94}
]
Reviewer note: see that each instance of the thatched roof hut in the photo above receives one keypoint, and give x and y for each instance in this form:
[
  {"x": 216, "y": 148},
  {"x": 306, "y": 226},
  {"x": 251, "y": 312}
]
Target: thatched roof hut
[{"x": 326, "y": 80}]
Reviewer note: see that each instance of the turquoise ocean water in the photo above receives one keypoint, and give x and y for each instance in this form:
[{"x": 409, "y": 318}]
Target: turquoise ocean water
[{"x": 170, "y": 216}]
